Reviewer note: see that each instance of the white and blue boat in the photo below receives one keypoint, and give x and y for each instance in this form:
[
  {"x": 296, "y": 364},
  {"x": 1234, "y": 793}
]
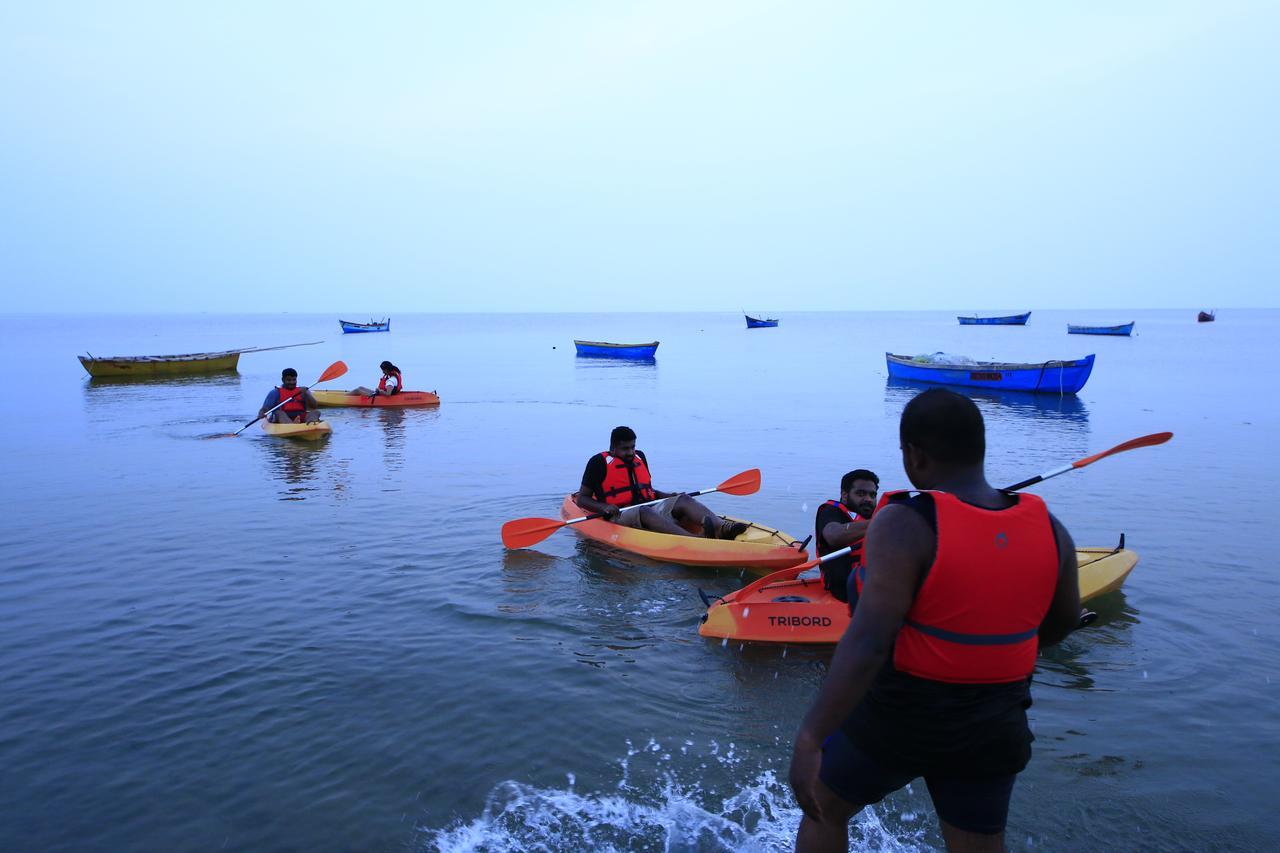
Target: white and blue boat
[
  {"x": 600, "y": 349},
  {"x": 349, "y": 328},
  {"x": 760, "y": 322},
  {"x": 1049, "y": 377},
  {"x": 1011, "y": 320},
  {"x": 1123, "y": 330}
]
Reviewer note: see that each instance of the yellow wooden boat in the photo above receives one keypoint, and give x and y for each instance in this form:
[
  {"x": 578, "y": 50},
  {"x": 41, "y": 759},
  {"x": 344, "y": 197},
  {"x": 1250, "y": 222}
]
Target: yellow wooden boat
[
  {"x": 306, "y": 432},
  {"x": 172, "y": 365}
]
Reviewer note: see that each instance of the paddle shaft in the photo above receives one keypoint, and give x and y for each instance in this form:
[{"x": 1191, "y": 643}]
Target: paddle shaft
[{"x": 596, "y": 515}]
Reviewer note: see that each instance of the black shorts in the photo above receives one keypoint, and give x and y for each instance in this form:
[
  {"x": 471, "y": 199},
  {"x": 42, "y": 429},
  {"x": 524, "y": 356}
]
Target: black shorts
[{"x": 979, "y": 804}]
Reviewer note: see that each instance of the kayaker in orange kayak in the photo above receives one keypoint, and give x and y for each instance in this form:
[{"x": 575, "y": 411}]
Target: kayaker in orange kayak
[
  {"x": 391, "y": 383},
  {"x": 843, "y": 523},
  {"x": 618, "y": 478},
  {"x": 963, "y": 585},
  {"x": 300, "y": 407}
]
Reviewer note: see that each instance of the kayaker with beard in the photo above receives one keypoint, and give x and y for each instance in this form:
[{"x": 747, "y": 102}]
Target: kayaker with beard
[
  {"x": 390, "y": 384},
  {"x": 301, "y": 406},
  {"x": 618, "y": 478},
  {"x": 841, "y": 524},
  {"x": 963, "y": 585}
]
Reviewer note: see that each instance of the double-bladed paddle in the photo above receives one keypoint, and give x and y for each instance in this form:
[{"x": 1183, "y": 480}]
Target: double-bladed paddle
[
  {"x": 1132, "y": 444},
  {"x": 523, "y": 532},
  {"x": 333, "y": 371}
]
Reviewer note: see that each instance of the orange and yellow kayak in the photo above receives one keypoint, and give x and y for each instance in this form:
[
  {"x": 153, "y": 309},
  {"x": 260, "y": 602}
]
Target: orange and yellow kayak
[
  {"x": 762, "y": 549},
  {"x": 403, "y": 400},
  {"x": 307, "y": 432},
  {"x": 784, "y": 608}
]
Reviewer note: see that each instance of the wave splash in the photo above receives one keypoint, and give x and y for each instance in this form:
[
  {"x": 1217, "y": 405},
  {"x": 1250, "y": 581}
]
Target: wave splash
[{"x": 668, "y": 815}]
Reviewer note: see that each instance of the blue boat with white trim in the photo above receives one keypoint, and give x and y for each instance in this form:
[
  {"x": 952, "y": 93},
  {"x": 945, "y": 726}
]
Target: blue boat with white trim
[
  {"x": 758, "y": 323},
  {"x": 1050, "y": 377},
  {"x": 601, "y": 349},
  {"x": 1011, "y": 320},
  {"x": 1121, "y": 331},
  {"x": 349, "y": 328}
]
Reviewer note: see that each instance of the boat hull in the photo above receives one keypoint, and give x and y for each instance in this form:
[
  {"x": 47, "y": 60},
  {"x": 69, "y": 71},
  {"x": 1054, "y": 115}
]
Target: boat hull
[
  {"x": 1204, "y": 317},
  {"x": 302, "y": 432},
  {"x": 159, "y": 365},
  {"x": 1011, "y": 320},
  {"x": 403, "y": 400},
  {"x": 755, "y": 323},
  {"x": 760, "y": 550},
  {"x": 600, "y": 349},
  {"x": 349, "y": 328},
  {"x": 799, "y": 610},
  {"x": 1056, "y": 377},
  {"x": 1116, "y": 331}
]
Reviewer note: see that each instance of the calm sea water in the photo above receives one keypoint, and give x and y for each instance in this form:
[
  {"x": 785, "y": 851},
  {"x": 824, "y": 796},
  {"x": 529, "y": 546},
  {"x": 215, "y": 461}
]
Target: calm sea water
[{"x": 255, "y": 644}]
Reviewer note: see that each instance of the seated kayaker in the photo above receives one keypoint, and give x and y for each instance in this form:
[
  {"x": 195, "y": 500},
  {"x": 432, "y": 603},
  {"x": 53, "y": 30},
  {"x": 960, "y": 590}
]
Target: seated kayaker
[
  {"x": 390, "y": 383},
  {"x": 300, "y": 407},
  {"x": 844, "y": 523},
  {"x": 616, "y": 480}
]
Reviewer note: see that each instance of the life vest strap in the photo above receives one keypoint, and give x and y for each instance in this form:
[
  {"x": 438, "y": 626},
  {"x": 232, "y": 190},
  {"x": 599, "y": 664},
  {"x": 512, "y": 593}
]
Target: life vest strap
[{"x": 974, "y": 639}]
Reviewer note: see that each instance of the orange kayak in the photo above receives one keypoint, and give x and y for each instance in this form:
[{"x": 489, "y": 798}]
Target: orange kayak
[
  {"x": 404, "y": 399},
  {"x": 762, "y": 549},
  {"x": 784, "y": 608}
]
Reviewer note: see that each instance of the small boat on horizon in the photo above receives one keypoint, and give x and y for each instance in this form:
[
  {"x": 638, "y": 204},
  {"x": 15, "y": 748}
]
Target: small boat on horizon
[
  {"x": 1123, "y": 330},
  {"x": 1050, "y": 377},
  {"x": 1010, "y": 320},
  {"x": 760, "y": 323},
  {"x": 1207, "y": 316},
  {"x": 602, "y": 349},
  {"x": 349, "y": 328}
]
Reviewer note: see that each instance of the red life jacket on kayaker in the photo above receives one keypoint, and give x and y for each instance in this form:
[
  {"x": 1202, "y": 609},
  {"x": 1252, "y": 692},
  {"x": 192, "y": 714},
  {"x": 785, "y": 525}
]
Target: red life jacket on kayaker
[
  {"x": 295, "y": 405},
  {"x": 855, "y": 552},
  {"x": 382, "y": 383},
  {"x": 976, "y": 618},
  {"x": 626, "y": 484}
]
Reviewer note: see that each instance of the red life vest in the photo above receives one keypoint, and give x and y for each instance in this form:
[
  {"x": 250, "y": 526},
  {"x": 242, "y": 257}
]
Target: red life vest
[
  {"x": 296, "y": 404},
  {"x": 625, "y": 484},
  {"x": 976, "y": 618},
  {"x": 382, "y": 383},
  {"x": 855, "y": 552}
]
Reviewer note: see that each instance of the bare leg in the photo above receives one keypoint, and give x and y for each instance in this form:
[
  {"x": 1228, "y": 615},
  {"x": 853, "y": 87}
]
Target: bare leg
[
  {"x": 691, "y": 515},
  {"x": 830, "y": 833},
  {"x": 962, "y": 841},
  {"x": 362, "y": 392},
  {"x": 653, "y": 519},
  {"x": 312, "y": 416}
]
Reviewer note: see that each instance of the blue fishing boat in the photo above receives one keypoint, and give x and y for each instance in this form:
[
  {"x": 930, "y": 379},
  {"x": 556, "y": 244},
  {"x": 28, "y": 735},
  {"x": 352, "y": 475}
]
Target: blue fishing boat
[
  {"x": 1119, "y": 331},
  {"x": 1011, "y": 320},
  {"x": 600, "y": 349},
  {"x": 350, "y": 328},
  {"x": 1050, "y": 377},
  {"x": 758, "y": 323}
]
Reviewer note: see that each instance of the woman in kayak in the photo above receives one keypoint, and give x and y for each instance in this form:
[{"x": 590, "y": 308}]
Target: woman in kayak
[{"x": 391, "y": 383}]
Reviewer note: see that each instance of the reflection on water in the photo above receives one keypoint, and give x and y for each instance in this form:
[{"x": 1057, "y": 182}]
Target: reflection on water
[
  {"x": 295, "y": 463},
  {"x": 595, "y": 362},
  {"x": 1065, "y": 407},
  {"x": 1063, "y": 665}
]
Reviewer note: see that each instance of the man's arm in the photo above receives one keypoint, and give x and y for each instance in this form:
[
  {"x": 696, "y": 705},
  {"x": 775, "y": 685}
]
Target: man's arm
[
  {"x": 273, "y": 397},
  {"x": 1064, "y": 610},
  {"x": 900, "y": 551},
  {"x": 839, "y": 534},
  {"x": 592, "y": 480},
  {"x": 308, "y": 400}
]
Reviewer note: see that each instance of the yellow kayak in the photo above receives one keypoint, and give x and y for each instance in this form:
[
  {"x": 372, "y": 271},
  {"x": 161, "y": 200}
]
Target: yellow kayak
[{"x": 307, "y": 432}]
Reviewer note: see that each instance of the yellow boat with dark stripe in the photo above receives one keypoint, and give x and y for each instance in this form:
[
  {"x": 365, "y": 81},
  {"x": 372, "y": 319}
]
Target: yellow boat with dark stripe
[{"x": 307, "y": 432}]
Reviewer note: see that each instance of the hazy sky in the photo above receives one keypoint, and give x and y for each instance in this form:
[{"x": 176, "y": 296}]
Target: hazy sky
[{"x": 383, "y": 157}]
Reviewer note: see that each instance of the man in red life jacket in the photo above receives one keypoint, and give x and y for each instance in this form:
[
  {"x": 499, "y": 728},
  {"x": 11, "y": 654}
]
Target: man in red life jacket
[
  {"x": 616, "y": 480},
  {"x": 300, "y": 407},
  {"x": 843, "y": 523},
  {"x": 963, "y": 584}
]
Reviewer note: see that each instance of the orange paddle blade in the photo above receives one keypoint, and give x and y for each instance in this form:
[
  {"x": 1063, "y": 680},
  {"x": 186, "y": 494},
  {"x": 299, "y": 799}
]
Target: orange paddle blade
[
  {"x": 746, "y": 483},
  {"x": 1145, "y": 441},
  {"x": 332, "y": 372},
  {"x": 524, "y": 532}
]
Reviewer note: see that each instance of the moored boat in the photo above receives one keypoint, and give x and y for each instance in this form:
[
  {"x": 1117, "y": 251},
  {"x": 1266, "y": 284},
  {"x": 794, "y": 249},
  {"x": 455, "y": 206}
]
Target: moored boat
[
  {"x": 1123, "y": 330},
  {"x": 1206, "y": 316},
  {"x": 1057, "y": 377},
  {"x": 760, "y": 549},
  {"x": 306, "y": 432},
  {"x": 601, "y": 349},
  {"x": 161, "y": 365},
  {"x": 785, "y": 608},
  {"x": 1010, "y": 320},
  {"x": 405, "y": 399},
  {"x": 760, "y": 323},
  {"x": 350, "y": 328}
]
